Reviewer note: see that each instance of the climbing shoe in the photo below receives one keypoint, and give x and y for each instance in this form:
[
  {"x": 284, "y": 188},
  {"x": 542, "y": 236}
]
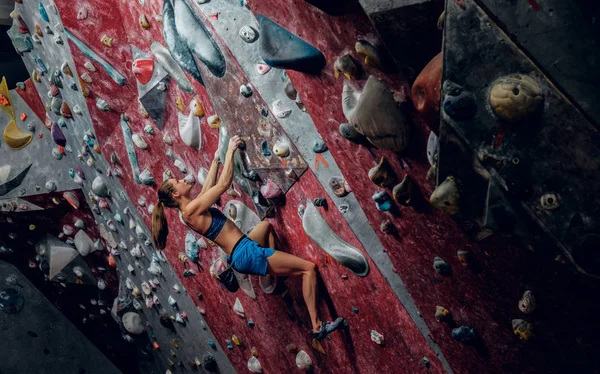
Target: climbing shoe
[{"x": 329, "y": 327}]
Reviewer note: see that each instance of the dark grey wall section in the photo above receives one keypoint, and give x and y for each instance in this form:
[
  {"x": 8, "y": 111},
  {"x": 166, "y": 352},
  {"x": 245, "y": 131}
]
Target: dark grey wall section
[{"x": 40, "y": 339}]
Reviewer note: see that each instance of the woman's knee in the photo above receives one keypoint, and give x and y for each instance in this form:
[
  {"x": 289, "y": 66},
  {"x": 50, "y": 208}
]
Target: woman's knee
[{"x": 310, "y": 267}]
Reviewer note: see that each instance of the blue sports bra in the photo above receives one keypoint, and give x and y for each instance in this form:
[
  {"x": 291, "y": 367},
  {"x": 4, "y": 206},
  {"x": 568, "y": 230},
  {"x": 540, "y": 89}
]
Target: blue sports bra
[{"x": 218, "y": 221}]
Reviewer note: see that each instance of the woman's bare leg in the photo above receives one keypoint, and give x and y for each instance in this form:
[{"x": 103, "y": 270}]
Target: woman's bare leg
[
  {"x": 263, "y": 234},
  {"x": 285, "y": 264}
]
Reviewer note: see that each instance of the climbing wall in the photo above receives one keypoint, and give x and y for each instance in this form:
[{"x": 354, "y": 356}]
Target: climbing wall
[{"x": 335, "y": 160}]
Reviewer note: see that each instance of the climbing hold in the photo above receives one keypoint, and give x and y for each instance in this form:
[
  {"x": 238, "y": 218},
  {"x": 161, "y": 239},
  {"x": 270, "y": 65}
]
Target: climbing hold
[
  {"x": 57, "y": 135},
  {"x": 251, "y": 175},
  {"x": 303, "y": 361},
  {"x": 321, "y": 233},
  {"x": 270, "y": 190},
  {"x": 238, "y": 308},
  {"x": 14, "y": 137},
  {"x": 148, "y": 129},
  {"x": 292, "y": 348},
  {"x": 246, "y": 90},
  {"x": 527, "y": 302},
  {"x": 458, "y": 103},
  {"x": 425, "y": 92},
  {"x": 209, "y": 362},
  {"x": 133, "y": 323},
  {"x": 349, "y": 132},
  {"x": 55, "y": 105},
  {"x": 319, "y": 146},
  {"x": 139, "y": 141},
  {"x": 280, "y": 110},
  {"x": 463, "y": 257},
  {"x": 179, "y": 104},
  {"x": 65, "y": 111},
  {"x": 106, "y": 40},
  {"x": 86, "y": 78},
  {"x": 143, "y": 68},
  {"x": 79, "y": 224},
  {"x": 464, "y": 334},
  {"x": 189, "y": 128},
  {"x": 181, "y": 166},
  {"x": 196, "y": 108},
  {"x": 51, "y": 186},
  {"x": 144, "y": 22},
  {"x": 58, "y": 39},
  {"x": 99, "y": 187},
  {"x": 383, "y": 174},
  {"x": 383, "y": 201},
  {"x": 369, "y": 52},
  {"x": 83, "y": 243},
  {"x": 36, "y": 39},
  {"x": 38, "y": 30},
  {"x": 264, "y": 146},
  {"x": 43, "y": 12},
  {"x": 522, "y": 328},
  {"x": 90, "y": 162},
  {"x": 338, "y": 186},
  {"x": 262, "y": 69},
  {"x": 248, "y": 34},
  {"x": 441, "y": 266},
  {"x": 82, "y": 13},
  {"x": 377, "y": 338},
  {"x": 515, "y": 97},
  {"x": 235, "y": 339},
  {"x": 403, "y": 191},
  {"x": 66, "y": 69},
  {"x": 347, "y": 66},
  {"x": 375, "y": 114},
  {"x": 35, "y": 76},
  {"x": 433, "y": 145},
  {"x": 281, "y": 149},
  {"x": 147, "y": 178},
  {"x": 387, "y": 227},
  {"x": 167, "y": 139},
  {"x": 214, "y": 121},
  {"x": 550, "y": 201},
  {"x": 446, "y": 197},
  {"x": 280, "y": 48},
  {"x": 442, "y": 314}
]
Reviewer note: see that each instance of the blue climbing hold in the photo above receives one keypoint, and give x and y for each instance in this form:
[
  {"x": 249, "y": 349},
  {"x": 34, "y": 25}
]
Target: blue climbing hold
[
  {"x": 281, "y": 49},
  {"x": 264, "y": 146},
  {"x": 40, "y": 63},
  {"x": 72, "y": 172},
  {"x": 127, "y": 136},
  {"x": 464, "y": 334},
  {"x": 250, "y": 323},
  {"x": 212, "y": 344},
  {"x": 354, "y": 310},
  {"x": 43, "y": 13},
  {"x": 229, "y": 344},
  {"x": 383, "y": 201}
]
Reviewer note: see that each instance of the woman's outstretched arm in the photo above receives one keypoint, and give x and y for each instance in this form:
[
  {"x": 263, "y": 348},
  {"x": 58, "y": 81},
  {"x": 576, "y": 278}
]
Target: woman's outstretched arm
[
  {"x": 203, "y": 201},
  {"x": 211, "y": 177}
]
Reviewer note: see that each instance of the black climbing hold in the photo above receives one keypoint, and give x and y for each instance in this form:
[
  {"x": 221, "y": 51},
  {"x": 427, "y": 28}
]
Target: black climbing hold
[
  {"x": 425, "y": 362},
  {"x": 320, "y": 201},
  {"x": 281, "y": 49},
  {"x": 209, "y": 362},
  {"x": 264, "y": 112},
  {"x": 459, "y": 104},
  {"x": 200, "y": 296},
  {"x": 242, "y": 145},
  {"x": 251, "y": 175},
  {"x": 441, "y": 266},
  {"x": 354, "y": 310},
  {"x": 166, "y": 321},
  {"x": 264, "y": 146},
  {"x": 464, "y": 334}
]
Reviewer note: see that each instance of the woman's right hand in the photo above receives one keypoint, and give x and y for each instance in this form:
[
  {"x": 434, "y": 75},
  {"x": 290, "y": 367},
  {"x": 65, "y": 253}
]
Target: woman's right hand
[{"x": 234, "y": 142}]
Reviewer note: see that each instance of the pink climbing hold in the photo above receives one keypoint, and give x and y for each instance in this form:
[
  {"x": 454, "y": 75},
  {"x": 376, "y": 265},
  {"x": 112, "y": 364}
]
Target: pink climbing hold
[
  {"x": 262, "y": 69},
  {"x": 270, "y": 190},
  {"x": 143, "y": 69},
  {"x": 214, "y": 16}
]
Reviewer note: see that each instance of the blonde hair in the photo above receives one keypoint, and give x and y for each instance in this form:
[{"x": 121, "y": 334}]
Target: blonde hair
[{"x": 159, "y": 225}]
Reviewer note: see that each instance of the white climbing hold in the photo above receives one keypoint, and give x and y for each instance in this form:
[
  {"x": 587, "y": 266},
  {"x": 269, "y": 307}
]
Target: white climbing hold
[
  {"x": 303, "y": 361},
  {"x": 82, "y": 14},
  {"x": 68, "y": 230},
  {"x": 148, "y": 129},
  {"x": 101, "y": 284},
  {"x": 189, "y": 130},
  {"x": 131, "y": 224},
  {"x": 88, "y": 65},
  {"x": 86, "y": 78},
  {"x": 77, "y": 110},
  {"x": 189, "y": 179},
  {"x": 79, "y": 224},
  {"x": 377, "y": 337},
  {"x": 133, "y": 323},
  {"x": 139, "y": 141},
  {"x": 181, "y": 166},
  {"x": 280, "y": 110},
  {"x": 102, "y": 105},
  {"x": 167, "y": 139},
  {"x": 83, "y": 243},
  {"x": 99, "y": 187},
  {"x": 254, "y": 365},
  {"x": 238, "y": 308}
]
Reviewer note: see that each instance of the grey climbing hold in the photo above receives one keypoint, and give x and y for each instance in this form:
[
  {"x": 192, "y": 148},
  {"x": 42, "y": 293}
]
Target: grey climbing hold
[
  {"x": 441, "y": 266},
  {"x": 319, "y": 146},
  {"x": 147, "y": 178},
  {"x": 279, "y": 48},
  {"x": 349, "y": 132},
  {"x": 102, "y": 105},
  {"x": 319, "y": 231},
  {"x": 100, "y": 187},
  {"x": 133, "y": 323},
  {"x": 248, "y": 34},
  {"x": 21, "y": 85}
]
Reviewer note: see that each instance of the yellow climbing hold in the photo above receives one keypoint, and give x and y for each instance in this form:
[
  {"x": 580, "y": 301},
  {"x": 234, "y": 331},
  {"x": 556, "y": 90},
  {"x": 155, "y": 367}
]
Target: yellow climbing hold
[
  {"x": 179, "y": 104},
  {"x": 235, "y": 339},
  {"x": 5, "y": 104},
  {"x": 197, "y": 108},
  {"x": 35, "y": 76},
  {"x": 106, "y": 40},
  {"x": 144, "y": 22},
  {"x": 31, "y": 227},
  {"x": 14, "y": 137}
]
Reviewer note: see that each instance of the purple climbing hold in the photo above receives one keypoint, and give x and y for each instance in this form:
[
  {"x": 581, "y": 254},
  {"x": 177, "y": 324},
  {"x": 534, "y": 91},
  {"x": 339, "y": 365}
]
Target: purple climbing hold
[{"x": 57, "y": 135}]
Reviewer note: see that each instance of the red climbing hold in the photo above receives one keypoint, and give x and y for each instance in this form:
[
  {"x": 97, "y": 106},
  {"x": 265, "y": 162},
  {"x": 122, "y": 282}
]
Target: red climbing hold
[
  {"x": 65, "y": 111},
  {"x": 143, "y": 69}
]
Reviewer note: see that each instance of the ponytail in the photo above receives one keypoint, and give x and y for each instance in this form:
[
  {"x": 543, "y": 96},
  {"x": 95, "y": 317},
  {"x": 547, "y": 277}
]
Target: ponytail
[{"x": 159, "y": 226}]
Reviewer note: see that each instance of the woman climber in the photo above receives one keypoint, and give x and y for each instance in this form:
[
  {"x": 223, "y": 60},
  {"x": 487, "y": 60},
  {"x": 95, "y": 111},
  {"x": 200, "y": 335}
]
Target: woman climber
[{"x": 252, "y": 254}]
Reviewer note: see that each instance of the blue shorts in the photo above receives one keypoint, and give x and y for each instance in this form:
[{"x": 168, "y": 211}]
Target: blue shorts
[{"x": 249, "y": 257}]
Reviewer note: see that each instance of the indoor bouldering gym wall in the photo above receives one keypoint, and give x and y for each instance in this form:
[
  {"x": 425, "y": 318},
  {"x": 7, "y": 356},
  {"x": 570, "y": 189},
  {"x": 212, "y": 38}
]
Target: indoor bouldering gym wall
[{"x": 437, "y": 160}]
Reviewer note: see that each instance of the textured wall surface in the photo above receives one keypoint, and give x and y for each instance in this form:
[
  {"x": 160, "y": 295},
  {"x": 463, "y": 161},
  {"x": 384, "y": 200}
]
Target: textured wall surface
[{"x": 397, "y": 298}]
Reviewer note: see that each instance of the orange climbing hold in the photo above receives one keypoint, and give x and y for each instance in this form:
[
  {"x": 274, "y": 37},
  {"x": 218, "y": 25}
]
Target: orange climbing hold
[
  {"x": 323, "y": 161},
  {"x": 4, "y": 100},
  {"x": 61, "y": 149},
  {"x": 111, "y": 261},
  {"x": 143, "y": 68},
  {"x": 317, "y": 345}
]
